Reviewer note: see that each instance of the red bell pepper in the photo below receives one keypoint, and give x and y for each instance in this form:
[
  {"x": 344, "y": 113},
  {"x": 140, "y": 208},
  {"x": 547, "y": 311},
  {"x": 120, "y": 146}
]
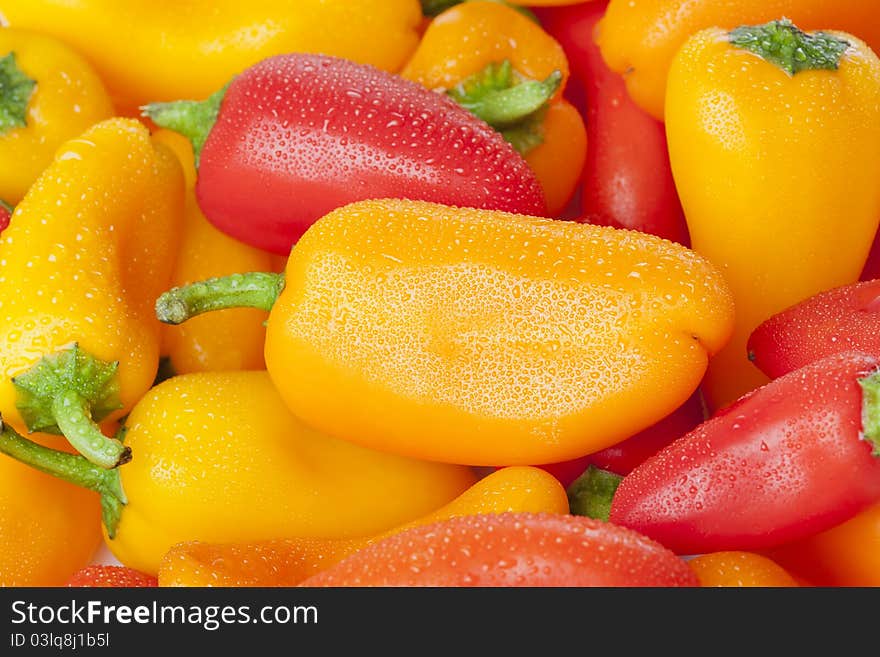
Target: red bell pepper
[
  {"x": 788, "y": 460},
  {"x": 511, "y": 549},
  {"x": 5, "y": 215},
  {"x": 871, "y": 270},
  {"x": 843, "y": 319},
  {"x": 111, "y": 577},
  {"x": 296, "y": 136},
  {"x": 627, "y": 176}
]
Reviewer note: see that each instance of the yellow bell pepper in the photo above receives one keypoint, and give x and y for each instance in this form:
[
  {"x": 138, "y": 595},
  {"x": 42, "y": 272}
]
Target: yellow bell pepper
[
  {"x": 86, "y": 254},
  {"x": 287, "y": 562},
  {"x": 217, "y": 457},
  {"x": 479, "y": 337},
  {"x": 639, "y": 38},
  {"x": 48, "y": 94},
  {"x": 232, "y": 339},
  {"x": 774, "y": 138},
  {"x": 160, "y": 51}
]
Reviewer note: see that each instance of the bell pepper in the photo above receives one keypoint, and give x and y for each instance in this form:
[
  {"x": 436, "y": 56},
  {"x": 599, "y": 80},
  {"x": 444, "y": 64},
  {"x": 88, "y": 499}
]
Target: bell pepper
[
  {"x": 48, "y": 528},
  {"x": 841, "y": 319},
  {"x": 627, "y": 177},
  {"x": 233, "y": 339},
  {"x": 640, "y": 38},
  {"x": 217, "y": 457},
  {"x": 491, "y": 58},
  {"x": 845, "y": 555},
  {"x": 150, "y": 52},
  {"x": 297, "y": 136},
  {"x": 511, "y": 549},
  {"x": 49, "y": 94},
  {"x": 467, "y": 336},
  {"x": 88, "y": 250},
  {"x": 754, "y": 172},
  {"x": 111, "y": 577},
  {"x": 740, "y": 569},
  {"x": 871, "y": 270},
  {"x": 287, "y": 562},
  {"x": 791, "y": 459}
]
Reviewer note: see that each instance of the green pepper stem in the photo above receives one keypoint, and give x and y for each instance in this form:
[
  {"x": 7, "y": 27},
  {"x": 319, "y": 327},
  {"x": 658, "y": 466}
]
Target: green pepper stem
[
  {"x": 871, "y": 410},
  {"x": 783, "y": 44},
  {"x": 5, "y": 206},
  {"x": 194, "y": 119},
  {"x": 251, "y": 290},
  {"x": 591, "y": 494},
  {"x": 71, "y": 468},
  {"x": 73, "y": 415},
  {"x": 15, "y": 94}
]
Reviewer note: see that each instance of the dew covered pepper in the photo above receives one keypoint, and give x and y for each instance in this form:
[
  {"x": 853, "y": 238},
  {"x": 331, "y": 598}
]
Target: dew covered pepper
[
  {"x": 86, "y": 253},
  {"x": 480, "y": 337}
]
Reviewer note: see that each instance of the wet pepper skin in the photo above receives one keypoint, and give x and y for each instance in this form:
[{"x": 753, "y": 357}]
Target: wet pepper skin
[
  {"x": 68, "y": 98},
  {"x": 148, "y": 52},
  {"x": 298, "y": 136},
  {"x": 86, "y": 254},
  {"x": 639, "y": 38},
  {"x": 785, "y": 462},
  {"x": 511, "y": 549},
  {"x": 470, "y": 336},
  {"x": 217, "y": 457},
  {"x": 762, "y": 158}
]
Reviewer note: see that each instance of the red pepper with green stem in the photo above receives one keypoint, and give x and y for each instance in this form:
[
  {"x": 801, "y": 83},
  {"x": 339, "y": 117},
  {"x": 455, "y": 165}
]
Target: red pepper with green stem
[
  {"x": 296, "y": 136},
  {"x": 842, "y": 319},
  {"x": 627, "y": 176},
  {"x": 786, "y": 461}
]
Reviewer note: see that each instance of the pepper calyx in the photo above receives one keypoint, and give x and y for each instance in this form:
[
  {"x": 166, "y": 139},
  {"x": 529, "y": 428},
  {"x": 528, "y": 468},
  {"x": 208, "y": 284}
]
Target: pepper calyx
[
  {"x": 782, "y": 43},
  {"x": 194, "y": 119},
  {"x": 16, "y": 89},
  {"x": 591, "y": 494},
  {"x": 871, "y": 411}
]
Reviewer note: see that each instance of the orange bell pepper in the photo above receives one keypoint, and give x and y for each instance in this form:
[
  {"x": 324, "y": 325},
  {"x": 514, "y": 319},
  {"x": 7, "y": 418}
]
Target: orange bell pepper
[
  {"x": 475, "y": 336},
  {"x": 287, "y": 562},
  {"x": 639, "y": 38},
  {"x": 49, "y": 529},
  {"x": 776, "y": 161},
  {"x": 846, "y": 555},
  {"x": 233, "y": 339},
  {"x": 739, "y": 569},
  {"x": 460, "y": 53}
]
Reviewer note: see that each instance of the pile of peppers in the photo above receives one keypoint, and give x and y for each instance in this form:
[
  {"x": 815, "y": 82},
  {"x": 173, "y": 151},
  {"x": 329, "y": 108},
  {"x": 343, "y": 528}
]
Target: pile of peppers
[{"x": 302, "y": 293}]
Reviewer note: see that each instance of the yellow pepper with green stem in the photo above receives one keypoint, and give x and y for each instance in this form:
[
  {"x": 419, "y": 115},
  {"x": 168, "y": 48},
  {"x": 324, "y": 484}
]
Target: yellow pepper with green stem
[
  {"x": 216, "y": 456},
  {"x": 774, "y": 139},
  {"x": 85, "y": 255},
  {"x": 150, "y": 51},
  {"x": 475, "y": 336},
  {"x": 48, "y": 94}
]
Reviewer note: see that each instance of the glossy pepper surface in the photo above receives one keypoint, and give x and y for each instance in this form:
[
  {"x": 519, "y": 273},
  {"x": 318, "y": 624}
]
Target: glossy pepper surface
[
  {"x": 231, "y": 339},
  {"x": 485, "y": 338},
  {"x": 640, "y": 38},
  {"x": 86, "y": 253},
  {"x": 841, "y": 319},
  {"x": 111, "y": 577},
  {"x": 755, "y": 171},
  {"x": 288, "y": 562},
  {"x": 148, "y": 52},
  {"x": 740, "y": 569},
  {"x": 50, "y": 94},
  {"x": 297, "y": 136},
  {"x": 49, "y": 529},
  {"x": 511, "y": 549},
  {"x": 458, "y": 54},
  {"x": 627, "y": 177},
  {"x": 217, "y": 457},
  {"x": 791, "y": 459}
]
